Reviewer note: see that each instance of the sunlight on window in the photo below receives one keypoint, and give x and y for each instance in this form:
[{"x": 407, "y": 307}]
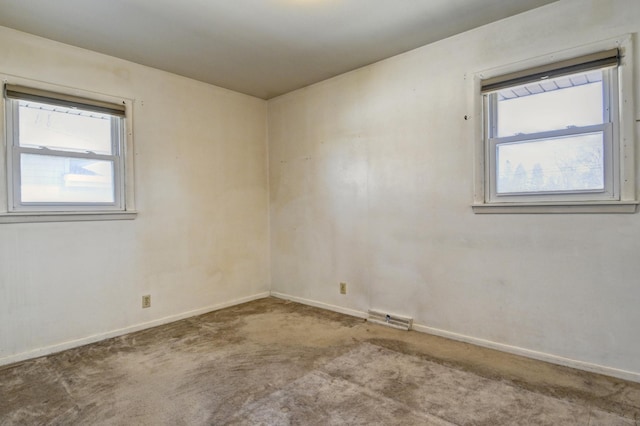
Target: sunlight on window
[
  {"x": 551, "y": 105},
  {"x": 549, "y": 135},
  {"x": 574, "y": 163},
  {"x": 65, "y": 129},
  {"x": 68, "y": 154},
  {"x": 55, "y": 179}
]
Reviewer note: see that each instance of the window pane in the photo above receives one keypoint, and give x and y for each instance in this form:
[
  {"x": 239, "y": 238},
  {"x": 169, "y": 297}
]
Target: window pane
[
  {"x": 553, "y": 104},
  {"x": 572, "y": 163},
  {"x": 66, "y": 129},
  {"x": 49, "y": 179}
]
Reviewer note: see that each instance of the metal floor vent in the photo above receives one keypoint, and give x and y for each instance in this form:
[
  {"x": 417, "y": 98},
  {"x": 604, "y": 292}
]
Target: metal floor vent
[{"x": 391, "y": 320}]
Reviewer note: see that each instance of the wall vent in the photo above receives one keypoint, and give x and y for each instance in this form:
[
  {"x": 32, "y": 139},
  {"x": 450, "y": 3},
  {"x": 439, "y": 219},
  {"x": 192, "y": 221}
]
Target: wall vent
[{"x": 390, "y": 320}]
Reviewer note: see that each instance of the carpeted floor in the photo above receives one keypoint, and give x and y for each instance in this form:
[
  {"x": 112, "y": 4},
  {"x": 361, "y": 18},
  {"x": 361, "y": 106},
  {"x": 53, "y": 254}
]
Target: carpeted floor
[{"x": 273, "y": 362}]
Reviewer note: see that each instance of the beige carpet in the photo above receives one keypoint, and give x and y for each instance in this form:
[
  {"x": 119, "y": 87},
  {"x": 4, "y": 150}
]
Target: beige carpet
[
  {"x": 272, "y": 362},
  {"x": 374, "y": 385}
]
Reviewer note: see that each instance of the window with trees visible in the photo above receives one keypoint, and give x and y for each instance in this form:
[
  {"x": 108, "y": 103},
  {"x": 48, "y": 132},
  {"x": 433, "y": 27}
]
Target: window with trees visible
[
  {"x": 550, "y": 132},
  {"x": 556, "y": 133}
]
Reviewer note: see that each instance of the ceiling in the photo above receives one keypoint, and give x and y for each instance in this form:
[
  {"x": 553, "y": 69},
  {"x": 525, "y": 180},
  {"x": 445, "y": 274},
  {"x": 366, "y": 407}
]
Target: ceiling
[{"x": 262, "y": 48}]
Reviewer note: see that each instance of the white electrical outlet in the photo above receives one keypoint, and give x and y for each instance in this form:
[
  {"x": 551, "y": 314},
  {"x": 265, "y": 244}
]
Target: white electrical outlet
[
  {"x": 343, "y": 288},
  {"x": 146, "y": 301}
]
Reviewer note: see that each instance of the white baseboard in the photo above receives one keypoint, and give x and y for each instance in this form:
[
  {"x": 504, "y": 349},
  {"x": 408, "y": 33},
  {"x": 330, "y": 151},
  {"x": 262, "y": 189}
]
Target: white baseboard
[
  {"x": 334, "y": 308},
  {"x": 554, "y": 359},
  {"x": 527, "y": 353},
  {"x": 47, "y": 350}
]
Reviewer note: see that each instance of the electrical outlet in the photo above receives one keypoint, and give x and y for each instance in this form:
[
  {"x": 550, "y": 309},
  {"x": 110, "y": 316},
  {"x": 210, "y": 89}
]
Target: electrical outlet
[
  {"x": 146, "y": 301},
  {"x": 343, "y": 288}
]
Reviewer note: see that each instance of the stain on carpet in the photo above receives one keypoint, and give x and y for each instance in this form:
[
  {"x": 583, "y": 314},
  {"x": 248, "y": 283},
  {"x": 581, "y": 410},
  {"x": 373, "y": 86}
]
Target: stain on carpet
[
  {"x": 276, "y": 362},
  {"x": 374, "y": 385}
]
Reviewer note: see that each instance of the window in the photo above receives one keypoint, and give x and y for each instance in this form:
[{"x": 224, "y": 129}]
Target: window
[
  {"x": 65, "y": 155},
  {"x": 551, "y": 137}
]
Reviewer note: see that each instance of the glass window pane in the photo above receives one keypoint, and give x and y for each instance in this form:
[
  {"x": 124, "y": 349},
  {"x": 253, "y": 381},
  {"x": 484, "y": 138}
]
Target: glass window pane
[
  {"x": 66, "y": 129},
  {"x": 52, "y": 179},
  {"x": 572, "y": 163},
  {"x": 552, "y": 104}
]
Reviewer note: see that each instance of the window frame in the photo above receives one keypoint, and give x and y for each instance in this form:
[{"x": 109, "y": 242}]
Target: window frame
[
  {"x": 12, "y": 210},
  {"x": 608, "y": 128},
  {"x": 620, "y": 190}
]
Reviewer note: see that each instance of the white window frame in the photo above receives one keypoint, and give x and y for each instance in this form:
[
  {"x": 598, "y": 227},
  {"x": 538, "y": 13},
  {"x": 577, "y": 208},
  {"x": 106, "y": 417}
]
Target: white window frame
[
  {"x": 12, "y": 210},
  {"x": 619, "y": 195}
]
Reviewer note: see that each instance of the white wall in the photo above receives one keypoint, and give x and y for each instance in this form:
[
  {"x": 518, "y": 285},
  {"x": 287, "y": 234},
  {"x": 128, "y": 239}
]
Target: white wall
[
  {"x": 200, "y": 240},
  {"x": 371, "y": 182}
]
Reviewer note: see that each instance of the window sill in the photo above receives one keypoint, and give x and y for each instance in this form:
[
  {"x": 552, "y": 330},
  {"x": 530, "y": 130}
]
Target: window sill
[
  {"x": 545, "y": 208},
  {"x": 30, "y": 217}
]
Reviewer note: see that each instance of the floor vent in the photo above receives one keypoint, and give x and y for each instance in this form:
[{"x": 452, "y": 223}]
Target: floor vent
[{"x": 391, "y": 320}]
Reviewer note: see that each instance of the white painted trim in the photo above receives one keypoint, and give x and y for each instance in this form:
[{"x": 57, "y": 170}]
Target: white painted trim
[
  {"x": 34, "y": 217},
  {"x": 11, "y": 359},
  {"x": 515, "y": 350},
  {"x": 126, "y": 190},
  {"x": 560, "y": 207},
  {"x": 528, "y": 353},
  {"x": 624, "y": 144},
  {"x": 321, "y": 305}
]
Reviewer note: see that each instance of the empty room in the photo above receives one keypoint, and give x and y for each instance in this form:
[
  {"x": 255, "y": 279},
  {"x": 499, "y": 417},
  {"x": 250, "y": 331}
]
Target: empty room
[{"x": 320, "y": 212}]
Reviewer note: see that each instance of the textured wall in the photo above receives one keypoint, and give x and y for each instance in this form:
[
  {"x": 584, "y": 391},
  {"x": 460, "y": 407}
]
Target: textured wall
[
  {"x": 200, "y": 239},
  {"x": 371, "y": 182}
]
